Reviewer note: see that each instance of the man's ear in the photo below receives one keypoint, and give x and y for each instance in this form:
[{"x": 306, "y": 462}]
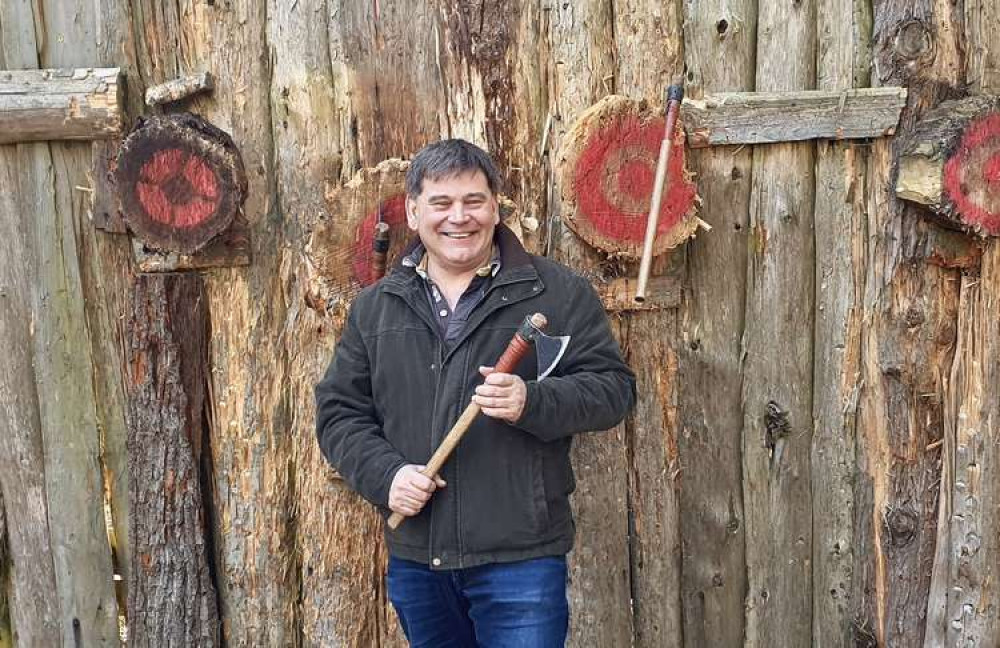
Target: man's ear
[{"x": 411, "y": 213}]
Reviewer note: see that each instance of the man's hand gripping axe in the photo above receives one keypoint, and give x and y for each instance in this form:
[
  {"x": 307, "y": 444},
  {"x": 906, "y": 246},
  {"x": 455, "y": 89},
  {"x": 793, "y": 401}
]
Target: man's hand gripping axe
[{"x": 549, "y": 350}]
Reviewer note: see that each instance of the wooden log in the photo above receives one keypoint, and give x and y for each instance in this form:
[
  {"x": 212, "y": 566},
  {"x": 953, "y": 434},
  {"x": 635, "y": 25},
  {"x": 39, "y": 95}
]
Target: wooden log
[
  {"x": 581, "y": 72},
  {"x": 335, "y": 536},
  {"x": 180, "y": 88},
  {"x": 180, "y": 182},
  {"x": 606, "y": 167},
  {"x": 843, "y": 56},
  {"x": 60, "y": 104},
  {"x": 777, "y": 342},
  {"x": 719, "y": 44},
  {"x": 962, "y": 602},
  {"x": 907, "y": 348},
  {"x": 792, "y": 115},
  {"x": 950, "y": 162},
  {"x": 31, "y": 585},
  {"x": 254, "y": 499},
  {"x": 651, "y": 341},
  {"x": 171, "y": 595},
  {"x": 969, "y": 518}
]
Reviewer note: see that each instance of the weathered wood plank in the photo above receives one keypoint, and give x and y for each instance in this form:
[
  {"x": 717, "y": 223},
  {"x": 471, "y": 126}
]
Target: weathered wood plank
[
  {"x": 907, "y": 345},
  {"x": 582, "y": 71},
  {"x": 777, "y": 343},
  {"x": 843, "y": 52},
  {"x": 31, "y": 582},
  {"x": 60, "y": 104},
  {"x": 171, "y": 597},
  {"x": 64, "y": 364},
  {"x": 719, "y": 54},
  {"x": 767, "y": 117}
]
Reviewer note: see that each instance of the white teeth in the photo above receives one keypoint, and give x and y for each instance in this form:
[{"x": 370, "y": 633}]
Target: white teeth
[{"x": 457, "y": 235}]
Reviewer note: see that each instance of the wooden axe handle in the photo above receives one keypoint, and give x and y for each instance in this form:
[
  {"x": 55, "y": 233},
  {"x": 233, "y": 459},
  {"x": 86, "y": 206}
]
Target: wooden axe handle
[
  {"x": 516, "y": 349},
  {"x": 380, "y": 250}
]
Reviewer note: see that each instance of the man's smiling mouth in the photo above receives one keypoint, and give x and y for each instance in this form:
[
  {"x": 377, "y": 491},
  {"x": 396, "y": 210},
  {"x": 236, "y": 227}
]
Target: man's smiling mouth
[{"x": 458, "y": 235}]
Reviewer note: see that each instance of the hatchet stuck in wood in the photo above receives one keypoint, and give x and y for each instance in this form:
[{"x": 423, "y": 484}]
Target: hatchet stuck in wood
[{"x": 548, "y": 350}]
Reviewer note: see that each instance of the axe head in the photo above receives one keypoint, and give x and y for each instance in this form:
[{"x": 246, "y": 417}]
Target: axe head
[{"x": 549, "y": 349}]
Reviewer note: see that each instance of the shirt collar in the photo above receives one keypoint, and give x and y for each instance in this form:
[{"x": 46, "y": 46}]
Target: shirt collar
[{"x": 417, "y": 259}]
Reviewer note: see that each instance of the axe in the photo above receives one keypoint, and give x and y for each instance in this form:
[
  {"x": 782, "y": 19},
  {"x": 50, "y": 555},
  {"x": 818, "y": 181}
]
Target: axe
[
  {"x": 548, "y": 349},
  {"x": 675, "y": 94}
]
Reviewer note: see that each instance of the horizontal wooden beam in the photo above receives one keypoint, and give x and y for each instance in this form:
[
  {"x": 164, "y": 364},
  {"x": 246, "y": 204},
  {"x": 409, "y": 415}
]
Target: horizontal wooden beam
[
  {"x": 767, "y": 117},
  {"x": 60, "y": 104}
]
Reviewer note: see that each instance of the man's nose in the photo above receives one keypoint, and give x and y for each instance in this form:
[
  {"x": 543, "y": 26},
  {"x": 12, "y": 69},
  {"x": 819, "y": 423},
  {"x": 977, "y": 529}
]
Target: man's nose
[{"x": 458, "y": 213}]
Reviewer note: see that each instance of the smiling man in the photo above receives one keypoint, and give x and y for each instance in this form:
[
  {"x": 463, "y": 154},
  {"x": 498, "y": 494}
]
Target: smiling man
[{"x": 483, "y": 561}]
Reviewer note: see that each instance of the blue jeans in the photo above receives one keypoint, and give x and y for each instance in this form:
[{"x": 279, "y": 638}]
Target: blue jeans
[{"x": 503, "y": 605}]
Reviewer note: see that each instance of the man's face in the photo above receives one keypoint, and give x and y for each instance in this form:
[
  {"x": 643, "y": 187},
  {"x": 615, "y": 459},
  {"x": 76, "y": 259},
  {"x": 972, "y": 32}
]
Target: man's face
[{"x": 455, "y": 218}]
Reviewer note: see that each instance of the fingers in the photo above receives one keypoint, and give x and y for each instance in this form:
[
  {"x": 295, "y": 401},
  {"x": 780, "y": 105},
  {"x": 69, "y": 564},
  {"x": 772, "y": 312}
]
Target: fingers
[
  {"x": 499, "y": 379},
  {"x": 411, "y": 490}
]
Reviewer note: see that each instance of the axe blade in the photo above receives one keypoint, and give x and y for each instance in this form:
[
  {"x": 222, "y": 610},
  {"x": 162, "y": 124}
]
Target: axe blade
[{"x": 549, "y": 350}]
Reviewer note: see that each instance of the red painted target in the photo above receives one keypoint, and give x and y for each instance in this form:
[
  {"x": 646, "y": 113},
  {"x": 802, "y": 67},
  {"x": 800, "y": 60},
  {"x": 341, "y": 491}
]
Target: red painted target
[
  {"x": 180, "y": 182},
  {"x": 394, "y": 215},
  {"x": 971, "y": 176},
  {"x": 608, "y": 173},
  {"x": 177, "y": 188}
]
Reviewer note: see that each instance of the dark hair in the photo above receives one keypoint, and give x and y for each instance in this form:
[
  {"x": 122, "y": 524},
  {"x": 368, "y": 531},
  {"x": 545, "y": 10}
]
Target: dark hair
[{"x": 447, "y": 158}]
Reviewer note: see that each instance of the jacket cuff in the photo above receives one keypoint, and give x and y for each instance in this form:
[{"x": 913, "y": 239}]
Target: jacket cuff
[{"x": 381, "y": 497}]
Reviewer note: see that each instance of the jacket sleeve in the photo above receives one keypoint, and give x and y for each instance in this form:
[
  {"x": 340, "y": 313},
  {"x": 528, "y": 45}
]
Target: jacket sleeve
[
  {"x": 347, "y": 426},
  {"x": 592, "y": 388}
]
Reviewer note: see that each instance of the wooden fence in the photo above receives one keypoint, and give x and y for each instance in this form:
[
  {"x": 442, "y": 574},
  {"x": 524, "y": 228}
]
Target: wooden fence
[{"x": 813, "y": 459}]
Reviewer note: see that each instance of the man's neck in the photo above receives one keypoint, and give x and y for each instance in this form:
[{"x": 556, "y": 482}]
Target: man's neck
[{"x": 451, "y": 284}]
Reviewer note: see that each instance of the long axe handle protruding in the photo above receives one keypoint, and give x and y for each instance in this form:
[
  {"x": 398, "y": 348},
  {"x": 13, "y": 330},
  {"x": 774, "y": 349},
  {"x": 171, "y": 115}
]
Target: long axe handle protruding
[
  {"x": 675, "y": 94},
  {"x": 516, "y": 349}
]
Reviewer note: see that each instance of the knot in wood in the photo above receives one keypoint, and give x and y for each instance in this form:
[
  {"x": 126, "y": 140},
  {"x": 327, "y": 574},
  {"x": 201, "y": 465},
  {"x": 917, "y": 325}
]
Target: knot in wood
[
  {"x": 902, "y": 524},
  {"x": 776, "y": 425},
  {"x": 913, "y": 40}
]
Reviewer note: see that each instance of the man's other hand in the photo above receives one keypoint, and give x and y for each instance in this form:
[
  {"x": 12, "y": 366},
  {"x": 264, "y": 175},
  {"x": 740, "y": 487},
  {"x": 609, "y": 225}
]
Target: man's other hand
[
  {"x": 502, "y": 396},
  {"x": 411, "y": 489}
]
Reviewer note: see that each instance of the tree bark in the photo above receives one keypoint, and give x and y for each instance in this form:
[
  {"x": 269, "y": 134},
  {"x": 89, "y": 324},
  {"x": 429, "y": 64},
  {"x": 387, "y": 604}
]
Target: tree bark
[
  {"x": 172, "y": 599},
  {"x": 907, "y": 347}
]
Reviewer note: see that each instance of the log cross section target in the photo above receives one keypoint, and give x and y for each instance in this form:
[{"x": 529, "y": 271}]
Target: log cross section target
[
  {"x": 607, "y": 168},
  {"x": 180, "y": 181},
  {"x": 972, "y": 175}
]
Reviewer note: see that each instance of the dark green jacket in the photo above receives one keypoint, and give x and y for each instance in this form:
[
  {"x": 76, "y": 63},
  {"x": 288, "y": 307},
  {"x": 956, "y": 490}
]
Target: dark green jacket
[{"x": 393, "y": 391}]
